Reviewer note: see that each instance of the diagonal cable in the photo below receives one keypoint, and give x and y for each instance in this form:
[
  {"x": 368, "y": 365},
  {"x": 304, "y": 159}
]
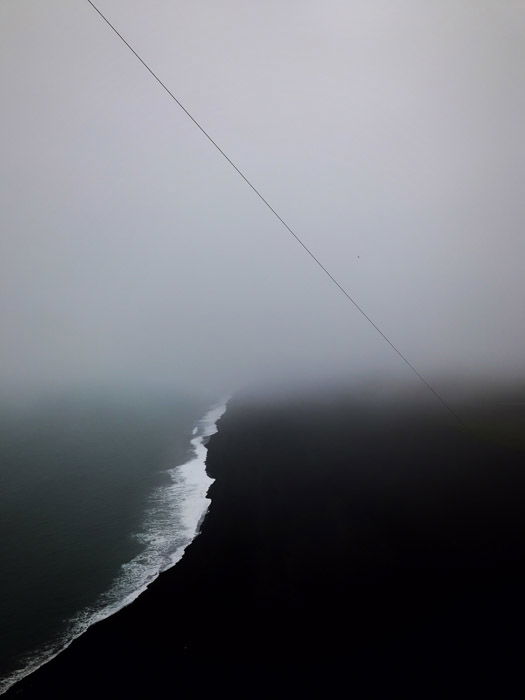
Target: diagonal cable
[{"x": 283, "y": 222}]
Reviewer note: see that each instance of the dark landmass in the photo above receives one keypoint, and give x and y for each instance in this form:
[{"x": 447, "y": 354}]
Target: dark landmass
[{"x": 348, "y": 550}]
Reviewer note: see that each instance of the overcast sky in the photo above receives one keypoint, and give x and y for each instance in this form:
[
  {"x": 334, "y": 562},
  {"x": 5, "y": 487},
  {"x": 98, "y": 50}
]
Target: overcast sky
[{"x": 389, "y": 134}]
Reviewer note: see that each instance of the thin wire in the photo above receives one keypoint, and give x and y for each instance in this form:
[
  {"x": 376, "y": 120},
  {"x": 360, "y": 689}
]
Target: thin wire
[{"x": 283, "y": 222}]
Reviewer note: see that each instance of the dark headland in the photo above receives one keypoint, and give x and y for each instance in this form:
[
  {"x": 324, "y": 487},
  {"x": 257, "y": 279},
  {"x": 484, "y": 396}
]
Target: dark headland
[{"x": 350, "y": 549}]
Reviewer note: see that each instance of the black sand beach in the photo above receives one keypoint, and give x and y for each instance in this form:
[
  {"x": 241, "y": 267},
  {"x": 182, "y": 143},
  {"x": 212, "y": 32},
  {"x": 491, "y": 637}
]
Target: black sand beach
[{"x": 348, "y": 549}]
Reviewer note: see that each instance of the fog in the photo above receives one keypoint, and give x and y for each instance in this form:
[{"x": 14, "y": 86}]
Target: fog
[{"x": 388, "y": 134}]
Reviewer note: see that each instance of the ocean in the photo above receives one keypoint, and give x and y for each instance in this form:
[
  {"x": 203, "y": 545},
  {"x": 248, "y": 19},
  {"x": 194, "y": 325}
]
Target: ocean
[{"x": 97, "y": 496}]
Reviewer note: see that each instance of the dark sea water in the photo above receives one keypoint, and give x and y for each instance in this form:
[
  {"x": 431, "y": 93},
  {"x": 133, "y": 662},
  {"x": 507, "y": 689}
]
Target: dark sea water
[{"x": 93, "y": 505}]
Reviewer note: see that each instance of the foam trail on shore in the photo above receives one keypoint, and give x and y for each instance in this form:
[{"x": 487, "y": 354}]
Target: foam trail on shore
[{"x": 173, "y": 517}]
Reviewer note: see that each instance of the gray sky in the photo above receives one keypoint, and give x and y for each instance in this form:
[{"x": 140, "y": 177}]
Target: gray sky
[{"x": 389, "y": 134}]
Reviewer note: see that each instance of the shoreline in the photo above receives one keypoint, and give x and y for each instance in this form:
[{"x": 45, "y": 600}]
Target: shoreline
[
  {"x": 205, "y": 427},
  {"x": 341, "y": 546}
]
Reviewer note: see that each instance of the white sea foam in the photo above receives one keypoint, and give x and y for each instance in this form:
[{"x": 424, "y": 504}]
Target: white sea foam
[{"x": 173, "y": 518}]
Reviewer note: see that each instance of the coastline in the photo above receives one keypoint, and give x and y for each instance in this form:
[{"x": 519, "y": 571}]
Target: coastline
[
  {"x": 188, "y": 483},
  {"x": 341, "y": 545}
]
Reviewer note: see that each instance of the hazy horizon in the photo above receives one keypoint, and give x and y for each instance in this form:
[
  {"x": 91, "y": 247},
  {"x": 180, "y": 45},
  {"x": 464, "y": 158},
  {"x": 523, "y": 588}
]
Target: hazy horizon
[{"x": 388, "y": 135}]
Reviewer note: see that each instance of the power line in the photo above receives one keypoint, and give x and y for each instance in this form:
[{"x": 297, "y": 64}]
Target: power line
[{"x": 283, "y": 222}]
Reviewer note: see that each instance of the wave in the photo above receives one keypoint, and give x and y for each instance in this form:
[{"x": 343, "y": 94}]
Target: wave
[{"x": 173, "y": 518}]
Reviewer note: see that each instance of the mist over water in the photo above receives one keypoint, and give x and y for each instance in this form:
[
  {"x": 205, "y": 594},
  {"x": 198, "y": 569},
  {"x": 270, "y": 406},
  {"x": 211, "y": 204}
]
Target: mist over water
[{"x": 141, "y": 279}]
